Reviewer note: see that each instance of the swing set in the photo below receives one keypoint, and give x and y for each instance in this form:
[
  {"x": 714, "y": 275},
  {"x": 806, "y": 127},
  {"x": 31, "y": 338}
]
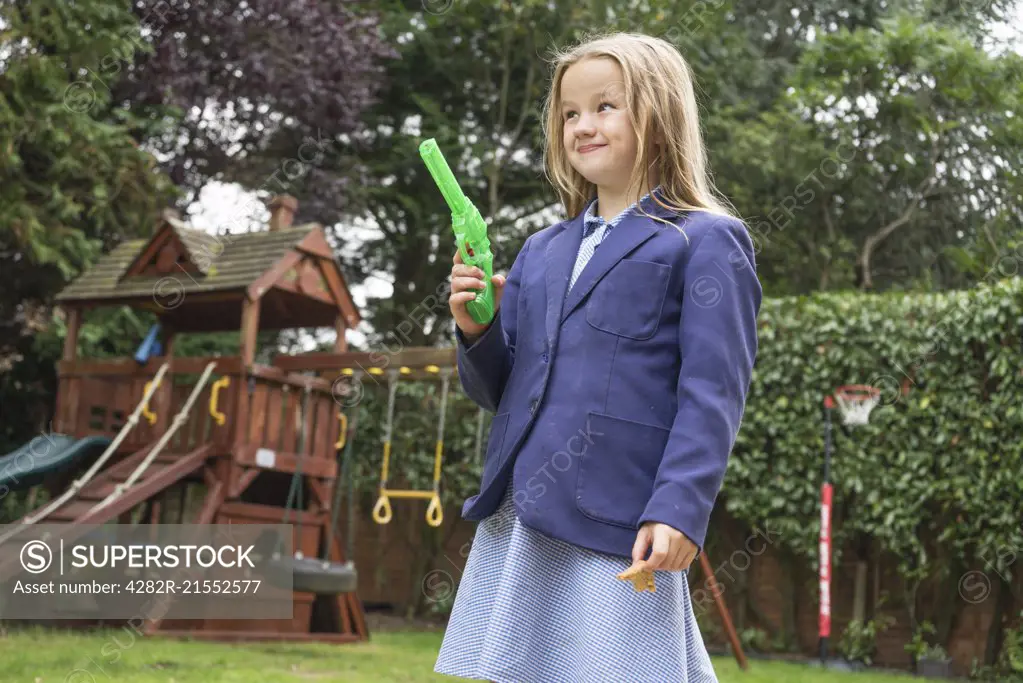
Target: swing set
[{"x": 428, "y": 367}]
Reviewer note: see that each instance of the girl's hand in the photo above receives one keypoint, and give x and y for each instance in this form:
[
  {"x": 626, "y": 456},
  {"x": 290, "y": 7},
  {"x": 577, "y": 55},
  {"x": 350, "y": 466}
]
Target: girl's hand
[
  {"x": 465, "y": 281},
  {"x": 672, "y": 549}
]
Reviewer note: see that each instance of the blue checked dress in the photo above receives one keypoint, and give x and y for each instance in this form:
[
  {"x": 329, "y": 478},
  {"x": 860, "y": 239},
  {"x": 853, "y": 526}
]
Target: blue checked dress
[{"x": 534, "y": 609}]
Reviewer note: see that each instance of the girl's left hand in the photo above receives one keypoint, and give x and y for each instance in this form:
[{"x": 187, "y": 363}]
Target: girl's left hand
[{"x": 672, "y": 550}]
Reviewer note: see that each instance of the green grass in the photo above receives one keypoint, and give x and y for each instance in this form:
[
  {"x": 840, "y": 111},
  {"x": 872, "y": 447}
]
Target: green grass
[{"x": 39, "y": 656}]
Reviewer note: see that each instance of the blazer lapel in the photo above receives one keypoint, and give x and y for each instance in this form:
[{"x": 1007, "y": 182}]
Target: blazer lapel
[
  {"x": 627, "y": 235},
  {"x": 559, "y": 259},
  {"x": 631, "y": 232}
]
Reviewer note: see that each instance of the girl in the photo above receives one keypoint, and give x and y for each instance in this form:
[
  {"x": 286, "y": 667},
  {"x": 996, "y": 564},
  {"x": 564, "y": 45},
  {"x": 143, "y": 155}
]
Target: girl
[{"x": 617, "y": 365}]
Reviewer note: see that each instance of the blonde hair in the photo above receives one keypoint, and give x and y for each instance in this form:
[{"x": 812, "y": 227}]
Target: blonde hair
[{"x": 660, "y": 100}]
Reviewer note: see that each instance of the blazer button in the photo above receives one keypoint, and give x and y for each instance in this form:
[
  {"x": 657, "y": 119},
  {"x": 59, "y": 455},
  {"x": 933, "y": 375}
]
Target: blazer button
[{"x": 544, "y": 356}]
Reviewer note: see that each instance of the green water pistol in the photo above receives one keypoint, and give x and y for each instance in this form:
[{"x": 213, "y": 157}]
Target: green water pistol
[{"x": 469, "y": 228}]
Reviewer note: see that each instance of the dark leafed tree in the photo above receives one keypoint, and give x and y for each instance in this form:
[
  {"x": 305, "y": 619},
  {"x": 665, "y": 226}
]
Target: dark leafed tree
[{"x": 268, "y": 90}]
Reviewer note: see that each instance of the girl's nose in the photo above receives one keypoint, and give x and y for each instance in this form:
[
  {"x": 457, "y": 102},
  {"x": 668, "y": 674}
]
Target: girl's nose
[{"x": 584, "y": 125}]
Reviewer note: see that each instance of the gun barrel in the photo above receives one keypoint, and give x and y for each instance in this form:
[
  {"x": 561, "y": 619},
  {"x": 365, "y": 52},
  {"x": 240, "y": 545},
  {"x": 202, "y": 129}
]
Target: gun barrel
[{"x": 442, "y": 175}]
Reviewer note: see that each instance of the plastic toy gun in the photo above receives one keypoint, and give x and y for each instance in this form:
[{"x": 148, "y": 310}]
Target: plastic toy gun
[{"x": 469, "y": 228}]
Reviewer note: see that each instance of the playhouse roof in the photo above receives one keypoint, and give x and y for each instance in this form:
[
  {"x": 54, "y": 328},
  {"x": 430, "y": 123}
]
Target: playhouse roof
[{"x": 195, "y": 281}]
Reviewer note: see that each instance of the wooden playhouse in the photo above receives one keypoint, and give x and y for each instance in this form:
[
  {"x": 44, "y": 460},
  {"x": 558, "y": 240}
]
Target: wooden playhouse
[{"x": 219, "y": 438}]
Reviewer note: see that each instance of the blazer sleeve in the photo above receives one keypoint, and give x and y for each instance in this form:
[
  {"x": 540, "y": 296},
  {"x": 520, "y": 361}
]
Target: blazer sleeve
[
  {"x": 484, "y": 366},
  {"x": 718, "y": 337}
]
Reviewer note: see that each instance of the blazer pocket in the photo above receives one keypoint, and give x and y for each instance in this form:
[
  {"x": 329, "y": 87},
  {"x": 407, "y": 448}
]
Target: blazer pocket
[
  {"x": 617, "y": 468},
  {"x": 495, "y": 444},
  {"x": 628, "y": 300}
]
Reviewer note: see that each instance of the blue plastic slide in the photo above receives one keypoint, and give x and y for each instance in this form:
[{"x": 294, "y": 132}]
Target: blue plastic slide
[{"x": 29, "y": 464}]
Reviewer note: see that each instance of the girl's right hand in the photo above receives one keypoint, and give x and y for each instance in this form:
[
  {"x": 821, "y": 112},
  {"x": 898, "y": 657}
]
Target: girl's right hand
[{"x": 466, "y": 281}]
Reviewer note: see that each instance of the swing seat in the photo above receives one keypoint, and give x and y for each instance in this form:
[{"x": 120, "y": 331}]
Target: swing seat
[
  {"x": 382, "y": 510},
  {"x": 313, "y": 575}
]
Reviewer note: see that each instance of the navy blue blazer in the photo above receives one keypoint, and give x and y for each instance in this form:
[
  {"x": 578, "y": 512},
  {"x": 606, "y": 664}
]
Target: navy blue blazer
[{"x": 619, "y": 403}]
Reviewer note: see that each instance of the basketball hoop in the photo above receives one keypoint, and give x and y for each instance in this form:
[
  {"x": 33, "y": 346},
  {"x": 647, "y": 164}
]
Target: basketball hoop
[{"x": 855, "y": 401}]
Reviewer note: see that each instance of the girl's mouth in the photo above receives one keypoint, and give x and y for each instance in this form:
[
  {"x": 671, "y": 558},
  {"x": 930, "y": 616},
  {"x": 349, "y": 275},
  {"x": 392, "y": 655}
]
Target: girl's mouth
[{"x": 589, "y": 148}]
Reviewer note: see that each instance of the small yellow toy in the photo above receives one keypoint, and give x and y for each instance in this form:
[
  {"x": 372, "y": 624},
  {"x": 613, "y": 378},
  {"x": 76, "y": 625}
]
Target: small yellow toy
[{"x": 642, "y": 580}]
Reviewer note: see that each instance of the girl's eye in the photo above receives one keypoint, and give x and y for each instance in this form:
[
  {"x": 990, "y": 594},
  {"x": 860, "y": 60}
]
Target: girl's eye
[{"x": 600, "y": 108}]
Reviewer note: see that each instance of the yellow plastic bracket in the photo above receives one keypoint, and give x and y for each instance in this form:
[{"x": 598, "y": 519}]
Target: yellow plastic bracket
[
  {"x": 146, "y": 412},
  {"x": 218, "y": 416},
  {"x": 344, "y": 431}
]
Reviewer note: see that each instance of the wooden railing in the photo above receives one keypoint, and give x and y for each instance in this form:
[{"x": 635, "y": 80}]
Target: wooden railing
[
  {"x": 266, "y": 417},
  {"x": 289, "y": 416},
  {"x": 96, "y": 397}
]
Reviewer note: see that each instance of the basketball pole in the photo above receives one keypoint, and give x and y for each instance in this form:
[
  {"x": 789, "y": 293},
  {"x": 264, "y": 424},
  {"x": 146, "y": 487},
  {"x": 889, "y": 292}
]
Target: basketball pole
[
  {"x": 855, "y": 402},
  {"x": 824, "y": 618}
]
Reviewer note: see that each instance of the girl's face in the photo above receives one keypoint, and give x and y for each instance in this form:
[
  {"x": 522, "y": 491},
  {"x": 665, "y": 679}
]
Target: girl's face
[{"x": 599, "y": 138}]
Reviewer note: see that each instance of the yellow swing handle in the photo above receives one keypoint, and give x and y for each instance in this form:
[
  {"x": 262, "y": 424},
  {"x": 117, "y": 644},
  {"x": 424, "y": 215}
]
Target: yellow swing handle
[
  {"x": 435, "y": 512},
  {"x": 382, "y": 510}
]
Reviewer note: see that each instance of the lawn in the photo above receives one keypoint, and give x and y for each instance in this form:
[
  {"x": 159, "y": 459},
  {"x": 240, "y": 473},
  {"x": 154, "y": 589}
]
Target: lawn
[{"x": 38, "y": 656}]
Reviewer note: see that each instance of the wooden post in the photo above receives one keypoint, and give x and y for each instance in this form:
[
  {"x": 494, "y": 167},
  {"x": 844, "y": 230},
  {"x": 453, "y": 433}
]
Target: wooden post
[
  {"x": 340, "y": 326},
  {"x": 250, "y": 328},
  {"x": 170, "y": 335},
  {"x": 74, "y": 324},
  {"x": 726, "y": 619},
  {"x": 165, "y": 393}
]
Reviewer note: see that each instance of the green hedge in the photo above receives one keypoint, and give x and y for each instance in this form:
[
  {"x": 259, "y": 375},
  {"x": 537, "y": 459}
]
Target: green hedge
[
  {"x": 940, "y": 459},
  {"x": 934, "y": 483},
  {"x": 940, "y": 462}
]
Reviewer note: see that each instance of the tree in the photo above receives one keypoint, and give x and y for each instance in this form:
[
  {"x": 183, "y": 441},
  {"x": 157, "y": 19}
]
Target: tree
[
  {"x": 901, "y": 142},
  {"x": 71, "y": 183},
  {"x": 474, "y": 80},
  {"x": 269, "y": 91}
]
